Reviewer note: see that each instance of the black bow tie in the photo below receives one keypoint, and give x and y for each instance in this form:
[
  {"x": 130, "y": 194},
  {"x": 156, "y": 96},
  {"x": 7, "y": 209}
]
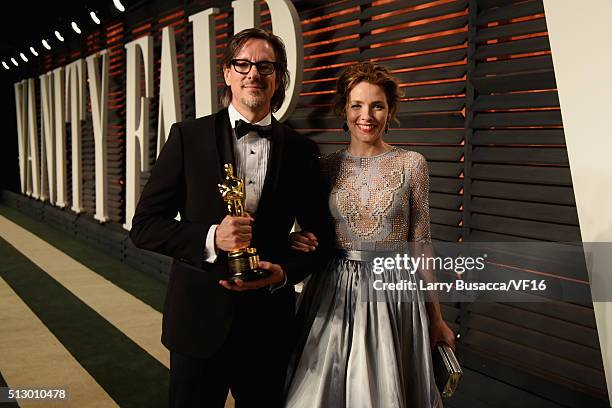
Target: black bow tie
[{"x": 242, "y": 128}]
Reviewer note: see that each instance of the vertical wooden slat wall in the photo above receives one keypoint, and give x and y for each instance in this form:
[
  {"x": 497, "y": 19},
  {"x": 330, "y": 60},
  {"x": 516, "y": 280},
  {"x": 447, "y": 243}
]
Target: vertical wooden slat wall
[
  {"x": 521, "y": 190},
  {"x": 116, "y": 112},
  {"x": 480, "y": 103}
]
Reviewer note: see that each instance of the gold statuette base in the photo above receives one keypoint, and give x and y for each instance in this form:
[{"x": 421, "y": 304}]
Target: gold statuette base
[{"x": 243, "y": 264}]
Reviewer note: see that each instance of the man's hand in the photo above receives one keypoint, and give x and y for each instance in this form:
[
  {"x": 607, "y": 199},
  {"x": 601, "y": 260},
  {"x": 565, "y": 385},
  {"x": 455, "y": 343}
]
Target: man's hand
[
  {"x": 303, "y": 241},
  {"x": 233, "y": 233},
  {"x": 277, "y": 275}
]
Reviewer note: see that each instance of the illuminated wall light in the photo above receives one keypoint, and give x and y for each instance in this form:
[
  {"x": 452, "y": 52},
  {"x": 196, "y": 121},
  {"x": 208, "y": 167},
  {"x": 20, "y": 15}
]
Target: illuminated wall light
[
  {"x": 5, "y": 65},
  {"x": 118, "y": 5},
  {"x": 23, "y": 57},
  {"x": 59, "y": 36},
  {"x": 46, "y": 44},
  {"x": 33, "y": 51},
  {"x": 14, "y": 62},
  {"x": 93, "y": 16},
  {"x": 75, "y": 27}
]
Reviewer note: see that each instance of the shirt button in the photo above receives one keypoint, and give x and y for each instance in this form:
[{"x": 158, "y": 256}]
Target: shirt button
[
  {"x": 251, "y": 182},
  {"x": 252, "y": 152}
]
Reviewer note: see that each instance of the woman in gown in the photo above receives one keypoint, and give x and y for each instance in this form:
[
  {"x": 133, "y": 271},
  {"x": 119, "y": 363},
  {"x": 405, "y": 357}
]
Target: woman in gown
[{"x": 359, "y": 347}]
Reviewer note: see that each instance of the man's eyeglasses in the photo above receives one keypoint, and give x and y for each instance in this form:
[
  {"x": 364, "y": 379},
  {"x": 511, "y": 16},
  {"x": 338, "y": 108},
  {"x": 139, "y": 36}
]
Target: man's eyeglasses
[{"x": 243, "y": 66}]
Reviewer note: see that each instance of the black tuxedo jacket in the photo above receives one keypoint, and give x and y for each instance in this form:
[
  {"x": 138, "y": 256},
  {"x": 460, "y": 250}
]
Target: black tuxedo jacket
[{"x": 198, "y": 312}]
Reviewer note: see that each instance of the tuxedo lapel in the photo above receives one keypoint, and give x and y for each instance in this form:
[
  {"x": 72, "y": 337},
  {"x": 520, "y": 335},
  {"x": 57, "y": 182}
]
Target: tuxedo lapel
[
  {"x": 225, "y": 144},
  {"x": 274, "y": 163}
]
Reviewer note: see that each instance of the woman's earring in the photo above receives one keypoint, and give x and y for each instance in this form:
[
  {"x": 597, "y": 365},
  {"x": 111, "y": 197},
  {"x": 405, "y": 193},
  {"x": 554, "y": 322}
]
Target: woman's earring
[{"x": 345, "y": 127}]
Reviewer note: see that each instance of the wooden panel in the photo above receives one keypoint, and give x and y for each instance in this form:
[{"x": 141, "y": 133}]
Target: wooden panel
[
  {"x": 486, "y": 236},
  {"x": 447, "y": 201},
  {"x": 524, "y": 228},
  {"x": 512, "y": 47},
  {"x": 538, "y": 193},
  {"x": 414, "y": 15},
  {"x": 432, "y": 105},
  {"x": 464, "y": 398},
  {"x": 431, "y": 74},
  {"x": 313, "y": 9},
  {"x": 449, "y": 88},
  {"x": 566, "y": 276},
  {"x": 445, "y": 169},
  {"x": 332, "y": 59},
  {"x": 531, "y": 360},
  {"x": 445, "y": 185},
  {"x": 527, "y": 155},
  {"x": 485, "y": 4},
  {"x": 391, "y": 6},
  {"x": 325, "y": 21},
  {"x": 522, "y": 174},
  {"x": 325, "y": 47},
  {"x": 432, "y": 120},
  {"x": 551, "y": 388},
  {"x": 322, "y": 86},
  {"x": 115, "y": 38},
  {"x": 445, "y": 233},
  {"x": 566, "y": 358},
  {"x": 425, "y": 136},
  {"x": 514, "y": 65},
  {"x": 518, "y": 119},
  {"x": 519, "y": 9},
  {"x": 522, "y": 81},
  {"x": 516, "y": 101},
  {"x": 330, "y": 34},
  {"x": 439, "y": 152},
  {"x": 568, "y": 312},
  {"x": 534, "y": 320},
  {"x": 427, "y": 59},
  {"x": 531, "y": 211},
  {"x": 510, "y": 30},
  {"x": 384, "y": 50},
  {"x": 446, "y": 217},
  {"x": 430, "y": 28}
]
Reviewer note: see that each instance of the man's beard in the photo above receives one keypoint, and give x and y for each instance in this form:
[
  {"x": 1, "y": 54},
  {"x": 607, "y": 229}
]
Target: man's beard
[{"x": 254, "y": 100}]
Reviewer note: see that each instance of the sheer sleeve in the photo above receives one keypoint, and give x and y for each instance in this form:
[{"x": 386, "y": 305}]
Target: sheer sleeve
[{"x": 419, "y": 226}]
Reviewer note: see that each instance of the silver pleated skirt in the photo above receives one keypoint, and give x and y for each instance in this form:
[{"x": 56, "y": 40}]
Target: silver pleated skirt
[{"x": 358, "y": 347}]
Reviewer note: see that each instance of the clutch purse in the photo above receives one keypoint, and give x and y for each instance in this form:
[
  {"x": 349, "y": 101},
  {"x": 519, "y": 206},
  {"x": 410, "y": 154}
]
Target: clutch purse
[{"x": 447, "y": 370}]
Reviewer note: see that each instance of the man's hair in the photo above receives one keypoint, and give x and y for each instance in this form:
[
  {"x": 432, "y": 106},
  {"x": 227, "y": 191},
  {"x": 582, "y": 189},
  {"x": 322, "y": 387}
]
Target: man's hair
[
  {"x": 282, "y": 75},
  {"x": 371, "y": 73}
]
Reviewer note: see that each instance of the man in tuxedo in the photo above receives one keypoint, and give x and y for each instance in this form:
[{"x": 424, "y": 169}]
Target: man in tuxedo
[{"x": 226, "y": 335}]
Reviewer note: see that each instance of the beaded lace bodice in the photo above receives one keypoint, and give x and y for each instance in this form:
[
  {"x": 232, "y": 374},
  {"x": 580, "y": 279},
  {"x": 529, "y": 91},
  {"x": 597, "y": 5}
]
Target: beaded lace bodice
[{"x": 378, "y": 203}]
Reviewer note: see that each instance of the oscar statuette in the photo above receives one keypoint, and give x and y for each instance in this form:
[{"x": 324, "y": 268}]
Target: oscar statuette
[{"x": 243, "y": 263}]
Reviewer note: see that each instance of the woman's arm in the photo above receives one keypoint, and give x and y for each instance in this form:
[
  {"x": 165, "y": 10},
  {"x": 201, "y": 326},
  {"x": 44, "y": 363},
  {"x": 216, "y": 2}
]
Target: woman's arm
[{"x": 419, "y": 236}]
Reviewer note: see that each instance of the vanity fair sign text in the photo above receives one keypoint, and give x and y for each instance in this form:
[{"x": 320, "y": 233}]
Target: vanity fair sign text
[{"x": 63, "y": 92}]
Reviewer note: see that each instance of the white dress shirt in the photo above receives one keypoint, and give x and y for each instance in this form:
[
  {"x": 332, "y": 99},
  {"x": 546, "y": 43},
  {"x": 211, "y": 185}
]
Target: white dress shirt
[{"x": 252, "y": 154}]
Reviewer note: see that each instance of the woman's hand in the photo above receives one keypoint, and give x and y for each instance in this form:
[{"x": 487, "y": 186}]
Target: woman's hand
[
  {"x": 303, "y": 241},
  {"x": 439, "y": 332}
]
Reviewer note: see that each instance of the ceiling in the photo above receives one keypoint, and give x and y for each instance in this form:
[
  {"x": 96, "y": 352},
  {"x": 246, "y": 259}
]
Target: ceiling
[{"x": 26, "y": 23}]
